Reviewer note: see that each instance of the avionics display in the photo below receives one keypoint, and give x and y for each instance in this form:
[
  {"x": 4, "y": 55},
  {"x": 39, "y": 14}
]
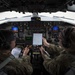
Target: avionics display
[
  {"x": 14, "y": 29},
  {"x": 55, "y": 28},
  {"x": 28, "y": 38},
  {"x": 37, "y": 39}
]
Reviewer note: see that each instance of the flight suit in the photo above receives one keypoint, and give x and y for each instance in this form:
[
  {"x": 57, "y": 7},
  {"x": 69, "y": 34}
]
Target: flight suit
[
  {"x": 61, "y": 61},
  {"x": 19, "y": 67}
]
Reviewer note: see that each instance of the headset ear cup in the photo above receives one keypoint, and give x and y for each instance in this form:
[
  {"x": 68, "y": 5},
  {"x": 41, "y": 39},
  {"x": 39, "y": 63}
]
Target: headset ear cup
[
  {"x": 5, "y": 45},
  {"x": 65, "y": 44},
  {"x": 65, "y": 41}
]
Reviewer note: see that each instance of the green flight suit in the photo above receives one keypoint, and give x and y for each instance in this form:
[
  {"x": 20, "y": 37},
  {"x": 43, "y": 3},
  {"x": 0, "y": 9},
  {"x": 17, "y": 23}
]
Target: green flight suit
[
  {"x": 60, "y": 63},
  {"x": 19, "y": 67}
]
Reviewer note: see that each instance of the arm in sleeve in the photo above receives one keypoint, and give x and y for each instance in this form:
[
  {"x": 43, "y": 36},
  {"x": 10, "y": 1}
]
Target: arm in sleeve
[
  {"x": 20, "y": 66},
  {"x": 51, "y": 66},
  {"x": 54, "y": 50},
  {"x": 57, "y": 65},
  {"x": 27, "y": 64}
]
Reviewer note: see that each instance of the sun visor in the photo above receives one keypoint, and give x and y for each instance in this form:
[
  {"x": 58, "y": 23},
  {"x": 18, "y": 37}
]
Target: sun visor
[{"x": 71, "y": 7}]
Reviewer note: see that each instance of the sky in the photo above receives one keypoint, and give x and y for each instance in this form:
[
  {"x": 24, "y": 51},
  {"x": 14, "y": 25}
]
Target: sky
[{"x": 8, "y": 14}]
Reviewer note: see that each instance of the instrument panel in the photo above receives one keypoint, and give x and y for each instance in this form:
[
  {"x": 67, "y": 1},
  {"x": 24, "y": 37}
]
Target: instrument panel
[
  {"x": 24, "y": 35},
  {"x": 24, "y": 30}
]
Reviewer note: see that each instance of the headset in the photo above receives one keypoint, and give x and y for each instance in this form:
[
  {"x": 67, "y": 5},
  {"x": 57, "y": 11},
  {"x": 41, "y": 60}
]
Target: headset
[
  {"x": 66, "y": 41},
  {"x": 4, "y": 45}
]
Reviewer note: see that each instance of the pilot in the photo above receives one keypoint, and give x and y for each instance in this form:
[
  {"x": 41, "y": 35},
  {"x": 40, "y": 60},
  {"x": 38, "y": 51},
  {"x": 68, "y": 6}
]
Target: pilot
[
  {"x": 9, "y": 65},
  {"x": 63, "y": 57}
]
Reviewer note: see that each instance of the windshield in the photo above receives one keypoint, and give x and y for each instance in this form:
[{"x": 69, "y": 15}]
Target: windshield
[{"x": 9, "y": 16}]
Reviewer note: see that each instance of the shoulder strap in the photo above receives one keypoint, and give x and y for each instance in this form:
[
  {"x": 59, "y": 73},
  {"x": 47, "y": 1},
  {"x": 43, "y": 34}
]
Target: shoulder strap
[
  {"x": 2, "y": 73},
  {"x": 73, "y": 56},
  {"x": 71, "y": 71},
  {"x": 6, "y": 61}
]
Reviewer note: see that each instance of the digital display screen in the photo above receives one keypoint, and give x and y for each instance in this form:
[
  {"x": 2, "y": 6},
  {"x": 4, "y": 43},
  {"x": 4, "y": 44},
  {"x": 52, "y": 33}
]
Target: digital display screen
[
  {"x": 14, "y": 28},
  {"x": 55, "y": 28},
  {"x": 37, "y": 38},
  {"x": 28, "y": 38}
]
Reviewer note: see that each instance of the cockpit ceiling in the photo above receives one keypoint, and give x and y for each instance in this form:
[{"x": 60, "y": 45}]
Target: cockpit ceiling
[{"x": 34, "y": 5}]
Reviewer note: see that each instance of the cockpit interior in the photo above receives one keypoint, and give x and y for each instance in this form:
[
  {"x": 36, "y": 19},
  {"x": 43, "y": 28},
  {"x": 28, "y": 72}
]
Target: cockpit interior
[{"x": 26, "y": 26}]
